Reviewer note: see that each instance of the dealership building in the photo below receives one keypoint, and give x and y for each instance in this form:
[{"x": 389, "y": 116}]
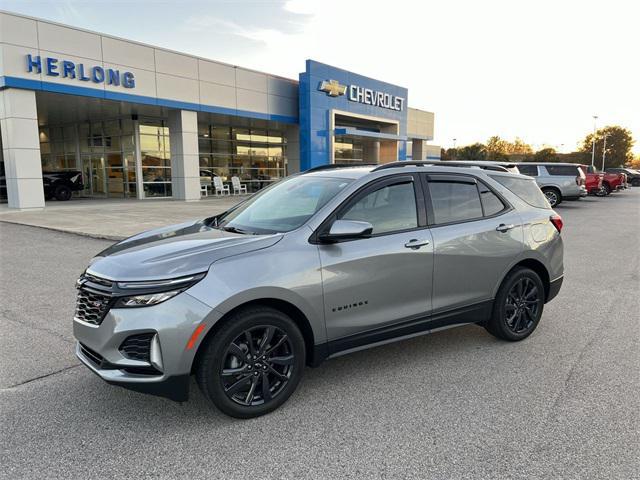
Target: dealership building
[{"x": 145, "y": 122}]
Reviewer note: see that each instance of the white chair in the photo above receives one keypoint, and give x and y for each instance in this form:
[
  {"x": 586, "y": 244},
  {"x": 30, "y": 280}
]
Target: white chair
[
  {"x": 203, "y": 190},
  {"x": 219, "y": 187},
  {"x": 238, "y": 188}
]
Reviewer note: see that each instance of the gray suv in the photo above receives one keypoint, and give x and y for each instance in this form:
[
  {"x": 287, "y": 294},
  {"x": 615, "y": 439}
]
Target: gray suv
[
  {"x": 320, "y": 264},
  {"x": 558, "y": 181}
]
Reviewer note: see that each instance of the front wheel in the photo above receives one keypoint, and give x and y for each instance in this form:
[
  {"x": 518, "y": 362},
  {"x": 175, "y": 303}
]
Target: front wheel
[
  {"x": 518, "y": 305},
  {"x": 553, "y": 196},
  {"x": 63, "y": 193},
  {"x": 252, "y": 364}
]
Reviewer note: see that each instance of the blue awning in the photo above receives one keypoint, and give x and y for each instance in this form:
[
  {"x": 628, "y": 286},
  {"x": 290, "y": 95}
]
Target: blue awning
[{"x": 354, "y": 132}]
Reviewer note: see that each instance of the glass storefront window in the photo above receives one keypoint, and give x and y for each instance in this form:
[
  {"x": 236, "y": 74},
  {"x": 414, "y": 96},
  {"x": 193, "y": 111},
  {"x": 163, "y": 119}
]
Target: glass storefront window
[
  {"x": 256, "y": 156},
  {"x": 155, "y": 151}
]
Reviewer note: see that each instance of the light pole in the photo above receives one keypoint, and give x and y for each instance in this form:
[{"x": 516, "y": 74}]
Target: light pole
[
  {"x": 604, "y": 149},
  {"x": 593, "y": 141},
  {"x": 455, "y": 152}
]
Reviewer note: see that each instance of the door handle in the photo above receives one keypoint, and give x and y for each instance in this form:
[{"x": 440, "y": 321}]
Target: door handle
[
  {"x": 415, "y": 244},
  {"x": 505, "y": 228}
]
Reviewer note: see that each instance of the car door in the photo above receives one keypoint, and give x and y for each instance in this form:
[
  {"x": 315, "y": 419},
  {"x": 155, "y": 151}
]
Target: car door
[
  {"x": 370, "y": 283},
  {"x": 476, "y": 235}
]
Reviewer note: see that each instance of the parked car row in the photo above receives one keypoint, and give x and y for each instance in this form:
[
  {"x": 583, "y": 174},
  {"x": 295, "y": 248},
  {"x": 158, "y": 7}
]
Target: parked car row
[{"x": 570, "y": 181}]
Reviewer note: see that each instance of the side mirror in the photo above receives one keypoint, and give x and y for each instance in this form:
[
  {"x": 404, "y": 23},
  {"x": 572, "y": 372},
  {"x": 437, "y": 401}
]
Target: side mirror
[{"x": 346, "y": 230}]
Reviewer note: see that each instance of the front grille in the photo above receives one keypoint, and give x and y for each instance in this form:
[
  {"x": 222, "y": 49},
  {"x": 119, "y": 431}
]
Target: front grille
[
  {"x": 94, "y": 298},
  {"x": 91, "y": 307},
  {"x": 137, "y": 347},
  {"x": 97, "y": 280}
]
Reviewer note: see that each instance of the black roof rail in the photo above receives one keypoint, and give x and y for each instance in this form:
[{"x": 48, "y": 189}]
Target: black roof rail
[
  {"x": 331, "y": 166},
  {"x": 438, "y": 163}
]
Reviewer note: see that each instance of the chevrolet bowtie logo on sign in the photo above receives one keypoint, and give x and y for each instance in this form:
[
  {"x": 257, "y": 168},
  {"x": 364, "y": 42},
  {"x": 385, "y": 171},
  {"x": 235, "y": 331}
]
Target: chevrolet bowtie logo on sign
[{"x": 332, "y": 88}]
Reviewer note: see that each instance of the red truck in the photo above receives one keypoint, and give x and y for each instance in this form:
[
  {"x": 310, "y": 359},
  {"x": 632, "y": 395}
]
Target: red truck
[
  {"x": 593, "y": 181},
  {"x": 610, "y": 182}
]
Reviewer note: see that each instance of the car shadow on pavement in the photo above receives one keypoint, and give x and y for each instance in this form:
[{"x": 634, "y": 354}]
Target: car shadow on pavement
[{"x": 322, "y": 389}]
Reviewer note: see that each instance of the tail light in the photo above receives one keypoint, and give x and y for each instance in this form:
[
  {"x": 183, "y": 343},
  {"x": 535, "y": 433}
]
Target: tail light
[
  {"x": 579, "y": 180},
  {"x": 557, "y": 221}
]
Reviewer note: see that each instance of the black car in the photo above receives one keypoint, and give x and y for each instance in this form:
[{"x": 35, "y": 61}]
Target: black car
[
  {"x": 633, "y": 176},
  {"x": 59, "y": 185}
]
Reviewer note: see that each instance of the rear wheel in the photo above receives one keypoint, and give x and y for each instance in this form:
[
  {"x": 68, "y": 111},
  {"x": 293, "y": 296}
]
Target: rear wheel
[
  {"x": 518, "y": 306},
  {"x": 62, "y": 193},
  {"x": 606, "y": 188},
  {"x": 253, "y": 364},
  {"x": 553, "y": 196}
]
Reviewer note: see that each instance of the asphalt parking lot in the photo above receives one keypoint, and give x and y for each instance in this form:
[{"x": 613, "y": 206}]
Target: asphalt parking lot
[{"x": 564, "y": 403}]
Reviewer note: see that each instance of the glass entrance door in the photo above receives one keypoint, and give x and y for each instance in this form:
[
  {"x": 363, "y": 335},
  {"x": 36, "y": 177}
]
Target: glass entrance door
[{"x": 94, "y": 174}]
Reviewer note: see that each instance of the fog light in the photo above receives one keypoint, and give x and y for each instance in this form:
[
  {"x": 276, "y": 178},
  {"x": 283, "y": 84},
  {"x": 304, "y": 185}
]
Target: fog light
[{"x": 155, "y": 356}]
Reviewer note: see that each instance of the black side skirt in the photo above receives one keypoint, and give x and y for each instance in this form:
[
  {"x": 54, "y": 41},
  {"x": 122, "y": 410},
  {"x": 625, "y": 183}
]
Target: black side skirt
[{"x": 476, "y": 313}]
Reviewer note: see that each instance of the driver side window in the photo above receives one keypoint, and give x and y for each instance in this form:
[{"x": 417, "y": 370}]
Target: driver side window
[{"x": 390, "y": 208}]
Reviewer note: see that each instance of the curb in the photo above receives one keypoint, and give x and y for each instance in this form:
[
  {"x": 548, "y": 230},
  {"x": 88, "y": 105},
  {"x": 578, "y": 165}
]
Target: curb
[{"x": 96, "y": 236}]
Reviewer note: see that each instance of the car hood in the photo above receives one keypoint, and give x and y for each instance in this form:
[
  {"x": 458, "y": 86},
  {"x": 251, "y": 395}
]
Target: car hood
[{"x": 174, "y": 251}]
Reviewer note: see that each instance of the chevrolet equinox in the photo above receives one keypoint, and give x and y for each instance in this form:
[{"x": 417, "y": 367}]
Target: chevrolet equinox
[{"x": 319, "y": 264}]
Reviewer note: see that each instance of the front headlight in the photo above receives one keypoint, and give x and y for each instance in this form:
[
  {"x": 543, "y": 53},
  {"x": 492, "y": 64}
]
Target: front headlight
[
  {"x": 146, "y": 300},
  {"x": 147, "y": 293}
]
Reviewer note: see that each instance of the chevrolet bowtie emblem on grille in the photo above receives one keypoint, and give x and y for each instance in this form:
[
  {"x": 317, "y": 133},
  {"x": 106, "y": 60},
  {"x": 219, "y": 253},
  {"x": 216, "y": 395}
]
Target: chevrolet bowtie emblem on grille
[{"x": 333, "y": 88}]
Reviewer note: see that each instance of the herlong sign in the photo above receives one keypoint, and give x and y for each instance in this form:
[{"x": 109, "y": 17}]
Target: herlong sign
[{"x": 78, "y": 71}]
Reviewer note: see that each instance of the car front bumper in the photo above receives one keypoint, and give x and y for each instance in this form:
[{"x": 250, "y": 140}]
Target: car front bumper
[{"x": 165, "y": 369}]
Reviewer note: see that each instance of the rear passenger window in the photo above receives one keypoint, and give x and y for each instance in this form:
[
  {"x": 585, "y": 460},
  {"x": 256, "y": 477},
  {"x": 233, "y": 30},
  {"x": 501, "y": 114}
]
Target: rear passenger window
[
  {"x": 490, "y": 201},
  {"x": 454, "y": 201},
  {"x": 562, "y": 170},
  {"x": 530, "y": 170}
]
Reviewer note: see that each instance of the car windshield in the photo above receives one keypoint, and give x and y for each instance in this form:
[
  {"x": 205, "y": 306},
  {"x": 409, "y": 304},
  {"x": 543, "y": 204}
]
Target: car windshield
[{"x": 282, "y": 207}]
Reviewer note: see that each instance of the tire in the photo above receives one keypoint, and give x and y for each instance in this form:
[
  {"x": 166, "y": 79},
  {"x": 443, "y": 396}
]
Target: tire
[
  {"x": 62, "y": 193},
  {"x": 513, "y": 318},
  {"x": 606, "y": 188},
  {"x": 234, "y": 379},
  {"x": 553, "y": 195},
  {"x": 635, "y": 182}
]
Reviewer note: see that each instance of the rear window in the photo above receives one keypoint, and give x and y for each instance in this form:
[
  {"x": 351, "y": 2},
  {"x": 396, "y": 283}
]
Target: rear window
[
  {"x": 562, "y": 170},
  {"x": 526, "y": 189},
  {"x": 454, "y": 202},
  {"x": 530, "y": 170}
]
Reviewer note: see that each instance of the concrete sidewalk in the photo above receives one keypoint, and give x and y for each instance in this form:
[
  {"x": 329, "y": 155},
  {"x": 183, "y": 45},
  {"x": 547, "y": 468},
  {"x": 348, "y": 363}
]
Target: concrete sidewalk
[{"x": 115, "y": 219}]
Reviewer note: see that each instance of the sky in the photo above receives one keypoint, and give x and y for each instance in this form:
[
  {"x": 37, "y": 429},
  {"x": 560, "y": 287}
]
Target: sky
[{"x": 539, "y": 70}]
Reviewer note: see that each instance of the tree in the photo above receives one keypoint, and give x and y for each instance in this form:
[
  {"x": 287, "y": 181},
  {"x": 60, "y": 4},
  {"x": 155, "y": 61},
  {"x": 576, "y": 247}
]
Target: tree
[
  {"x": 518, "y": 147},
  {"x": 546, "y": 155},
  {"x": 635, "y": 163},
  {"x": 497, "y": 149},
  {"x": 477, "y": 151},
  {"x": 619, "y": 145}
]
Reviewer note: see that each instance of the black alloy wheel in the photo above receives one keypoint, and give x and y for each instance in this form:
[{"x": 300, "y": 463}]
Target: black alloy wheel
[
  {"x": 518, "y": 306},
  {"x": 521, "y": 306},
  {"x": 257, "y": 365},
  {"x": 252, "y": 362}
]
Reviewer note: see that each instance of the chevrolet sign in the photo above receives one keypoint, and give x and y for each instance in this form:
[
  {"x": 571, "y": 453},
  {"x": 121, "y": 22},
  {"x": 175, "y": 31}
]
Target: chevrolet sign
[{"x": 368, "y": 96}]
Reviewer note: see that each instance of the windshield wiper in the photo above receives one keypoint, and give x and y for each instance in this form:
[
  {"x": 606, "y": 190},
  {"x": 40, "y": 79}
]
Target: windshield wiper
[{"x": 237, "y": 230}]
